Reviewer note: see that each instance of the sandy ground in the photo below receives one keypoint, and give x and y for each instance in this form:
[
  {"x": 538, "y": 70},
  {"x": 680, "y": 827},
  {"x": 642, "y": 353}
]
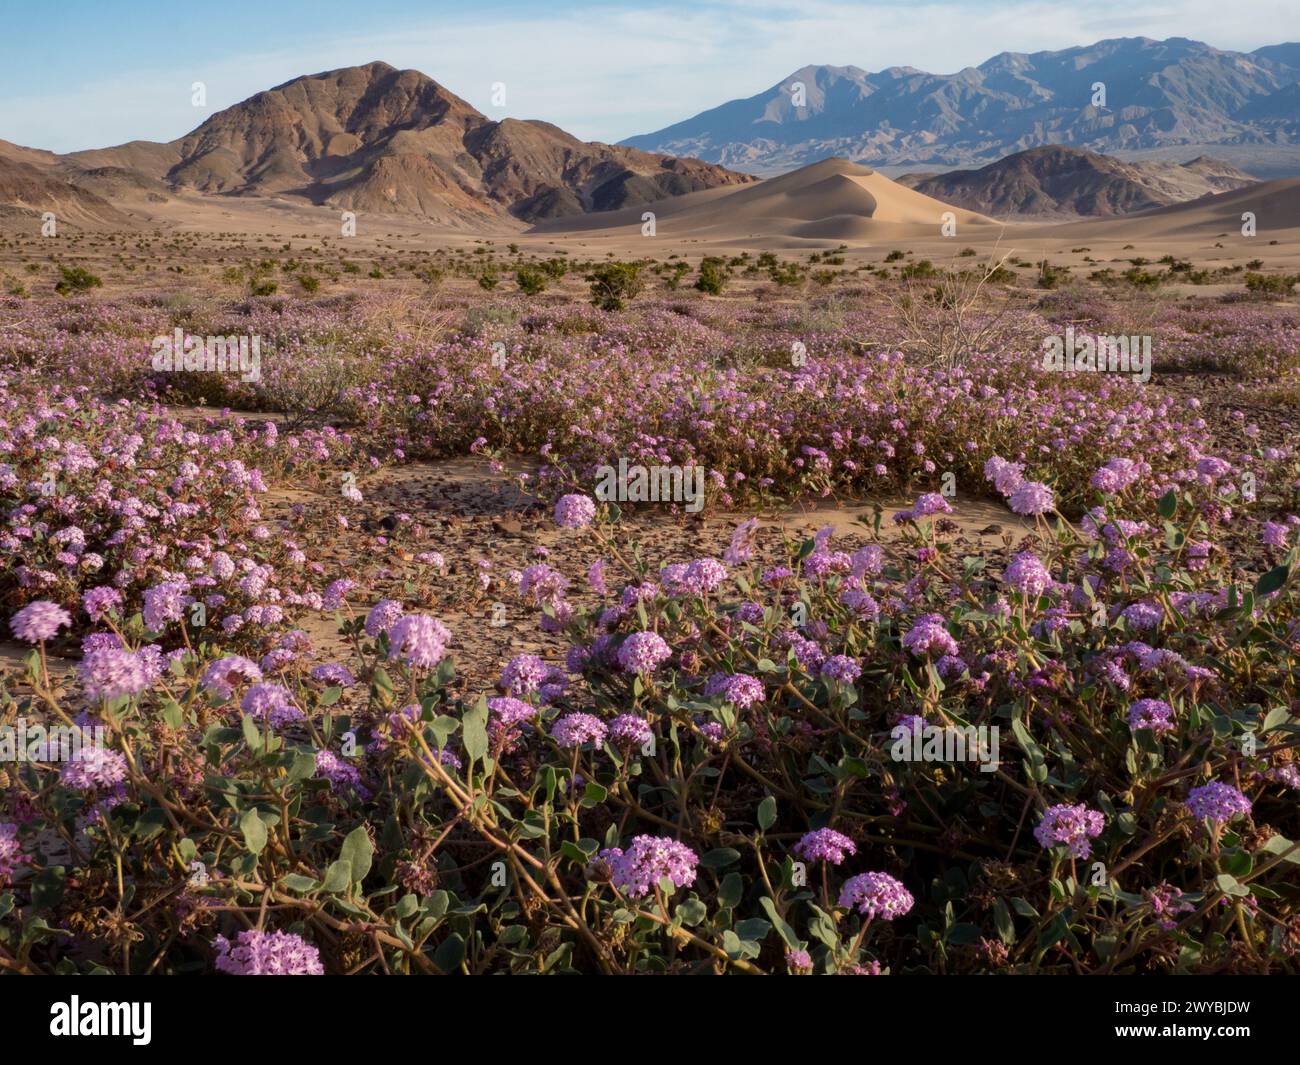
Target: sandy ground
[
  {"x": 467, "y": 511},
  {"x": 859, "y": 213}
]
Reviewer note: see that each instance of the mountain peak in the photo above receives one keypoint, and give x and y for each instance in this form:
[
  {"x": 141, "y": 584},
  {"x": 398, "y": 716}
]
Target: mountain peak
[
  {"x": 389, "y": 141},
  {"x": 1175, "y": 93},
  {"x": 1060, "y": 181}
]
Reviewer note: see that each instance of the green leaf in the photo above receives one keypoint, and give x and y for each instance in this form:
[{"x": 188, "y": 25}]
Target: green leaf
[
  {"x": 730, "y": 891},
  {"x": 302, "y": 766},
  {"x": 692, "y": 912},
  {"x": 1236, "y": 861},
  {"x": 767, "y": 813},
  {"x": 1272, "y": 580},
  {"x": 782, "y": 928},
  {"x": 436, "y": 905},
  {"x": 753, "y": 928},
  {"x": 300, "y": 883},
  {"x": 475, "y": 730},
  {"x": 383, "y": 681},
  {"x": 172, "y": 714},
  {"x": 822, "y": 928},
  {"x": 357, "y": 852},
  {"x": 1281, "y": 845},
  {"x": 1168, "y": 504},
  {"x": 338, "y": 877},
  {"x": 571, "y": 850},
  {"x": 1024, "y": 908},
  {"x": 719, "y": 858},
  {"x": 444, "y": 727},
  {"x": 1275, "y": 717},
  {"x": 549, "y": 781},
  {"x": 1229, "y": 885},
  {"x": 254, "y": 830},
  {"x": 450, "y": 953},
  {"x": 1056, "y": 930},
  {"x": 1004, "y": 922}
]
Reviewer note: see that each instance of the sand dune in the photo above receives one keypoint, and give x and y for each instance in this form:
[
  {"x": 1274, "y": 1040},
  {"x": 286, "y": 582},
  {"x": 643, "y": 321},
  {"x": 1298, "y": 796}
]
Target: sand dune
[
  {"x": 1275, "y": 205},
  {"x": 834, "y": 200}
]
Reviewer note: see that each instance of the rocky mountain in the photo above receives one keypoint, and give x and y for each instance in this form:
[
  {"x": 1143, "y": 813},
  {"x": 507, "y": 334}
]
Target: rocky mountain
[
  {"x": 29, "y": 187},
  {"x": 1159, "y": 95},
  {"x": 376, "y": 139},
  {"x": 1061, "y": 182}
]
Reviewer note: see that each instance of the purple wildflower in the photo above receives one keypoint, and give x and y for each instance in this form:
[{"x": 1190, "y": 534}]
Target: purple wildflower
[
  {"x": 267, "y": 954},
  {"x": 643, "y": 652},
  {"x": 1072, "y": 826},
  {"x": 1217, "y": 802},
  {"x": 39, "y": 621},
  {"x": 574, "y": 511},
  {"x": 647, "y": 861},
  {"x": 825, "y": 845},
  {"x": 876, "y": 895},
  {"x": 573, "y": 730}
]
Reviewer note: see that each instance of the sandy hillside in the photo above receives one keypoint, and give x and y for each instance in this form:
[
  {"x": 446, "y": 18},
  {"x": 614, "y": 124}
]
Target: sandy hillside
[
  {"x": 832, "y": 200},
  {"x": 1275, "y": 204}
]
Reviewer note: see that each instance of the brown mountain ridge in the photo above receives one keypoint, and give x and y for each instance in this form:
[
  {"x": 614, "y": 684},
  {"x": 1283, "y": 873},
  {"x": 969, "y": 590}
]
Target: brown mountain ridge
[
  {"x": 381, "y": 140},
  {"x": 1060, "y": 182}
]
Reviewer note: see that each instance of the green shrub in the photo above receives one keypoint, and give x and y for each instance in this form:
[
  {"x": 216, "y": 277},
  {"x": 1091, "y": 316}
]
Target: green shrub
[
  {"x": 613, "y": 284},
  {"x": 713, "y": 276},
  {"x": 76, "y": 279},
  {"x": 1271, "y": 284},
  {"x": 531, "y": 280}
]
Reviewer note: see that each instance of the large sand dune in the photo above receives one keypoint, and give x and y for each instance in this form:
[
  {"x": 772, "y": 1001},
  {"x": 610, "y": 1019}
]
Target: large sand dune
[
  {"x": 1275, "y": 205},
  {"x": 834, "y": 200}
]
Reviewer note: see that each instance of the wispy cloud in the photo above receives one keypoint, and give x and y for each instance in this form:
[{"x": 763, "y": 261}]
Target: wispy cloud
[{"x": 607, "y": 72}]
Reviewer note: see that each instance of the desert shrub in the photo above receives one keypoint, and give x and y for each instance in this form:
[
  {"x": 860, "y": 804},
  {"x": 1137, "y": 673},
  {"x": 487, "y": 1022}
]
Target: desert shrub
[
  {"x": 531, "y": 280},
  {"x": 1142, "y": 279},
  {"x": 918, "y": 271},
  {"x": 712, "y": 278},
  {"x": 675, "y": 273},
  {"x": 1050, "y": 275},
  {"x": 1271, "y": 284},
  {"x": 613, "y": 284},
  {"x": 944, "y": 324},
  {"x": 76, "y": 279},
  {"x": 788, "y": 275}
]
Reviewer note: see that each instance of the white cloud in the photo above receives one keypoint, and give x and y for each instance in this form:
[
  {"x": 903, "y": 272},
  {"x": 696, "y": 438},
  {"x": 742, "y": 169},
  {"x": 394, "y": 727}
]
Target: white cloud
[{"x": 604, "y": 73}]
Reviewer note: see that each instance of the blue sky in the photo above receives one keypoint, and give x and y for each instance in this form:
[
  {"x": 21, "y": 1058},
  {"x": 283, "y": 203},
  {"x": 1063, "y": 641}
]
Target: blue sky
[{"x": 89, "y": 73}]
